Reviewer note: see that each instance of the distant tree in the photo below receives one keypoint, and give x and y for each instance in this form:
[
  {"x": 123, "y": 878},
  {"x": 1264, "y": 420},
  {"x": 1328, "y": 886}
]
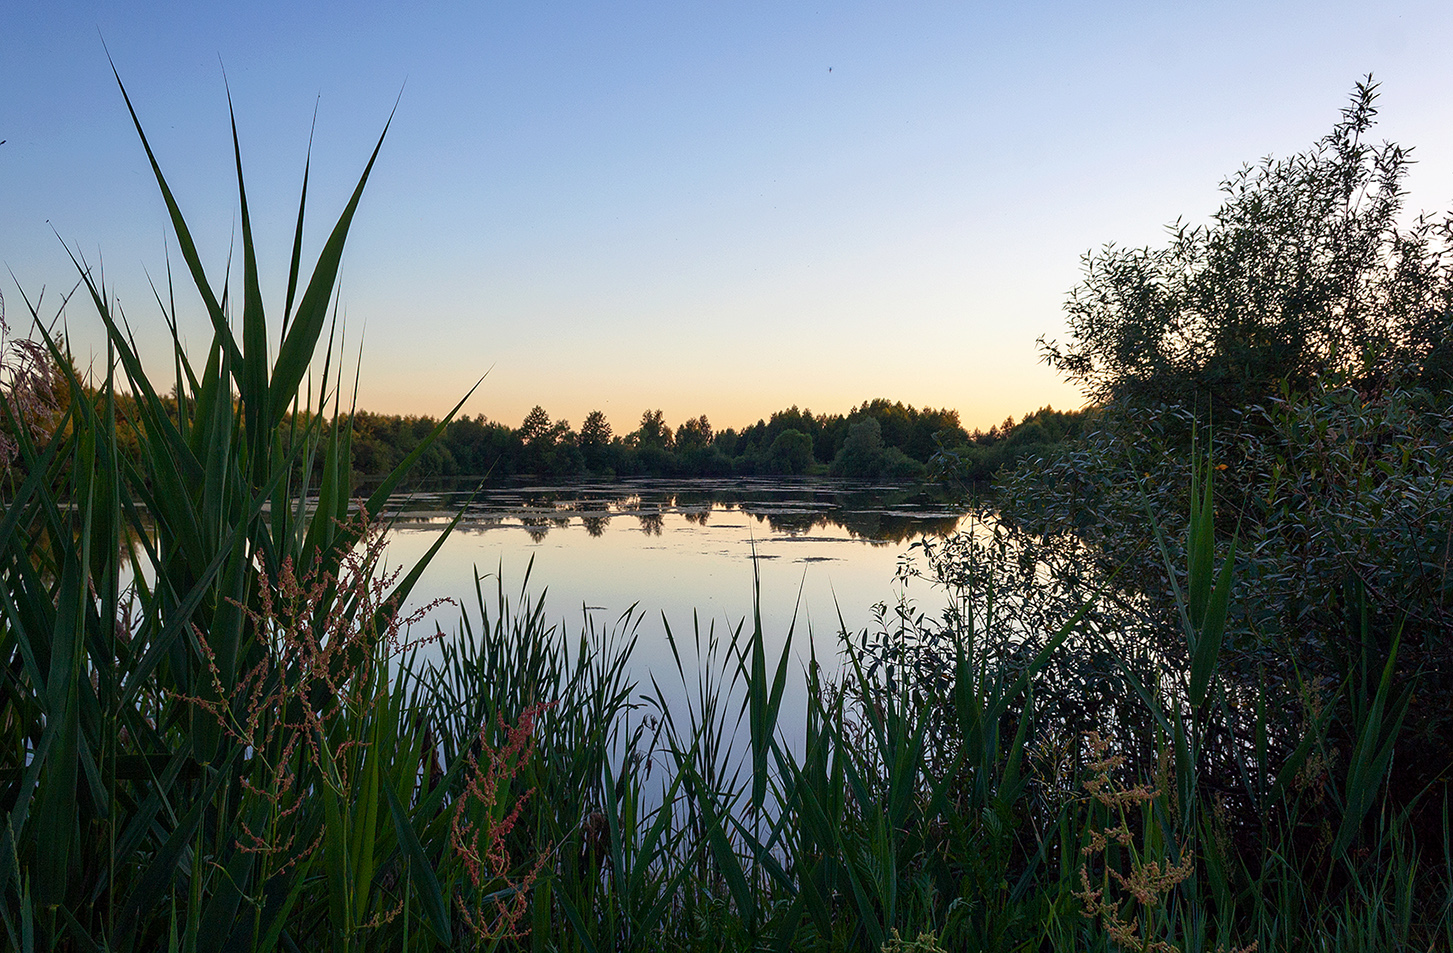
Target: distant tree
[
  {"x": 695, "y": 434},
  {"x": 653, "y": 431},
  {"x": 561, "y": 434},
  {"x": 792, "y": 419},
  {"x": 790, "y": 453},
  {"x": 1058, "y": 425},
  {"x": 932, "y": 429},
  {"x": 549, "y": 449},
  {"x": 895, "y": 420},
  {"x": 861, "y": 455},
  {"x": 536, "y": 425},
  {"x": 595, "y": 443},
  {"x": 465, "y": 439},
  {"x": 725, "y": 441},
  {"x": 595, "y": 431}
]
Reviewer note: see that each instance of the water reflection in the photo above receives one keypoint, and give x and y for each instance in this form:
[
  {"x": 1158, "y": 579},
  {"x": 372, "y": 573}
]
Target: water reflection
[
  {"x": 876, "y": 514},
  {"x": 806, "y": 557},
  {"x": 692, "y": 559},
  {"x": 877, "y": 527}
]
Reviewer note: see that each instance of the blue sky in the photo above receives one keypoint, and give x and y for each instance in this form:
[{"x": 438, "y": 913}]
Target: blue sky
[{"x": 718, "y": 208}]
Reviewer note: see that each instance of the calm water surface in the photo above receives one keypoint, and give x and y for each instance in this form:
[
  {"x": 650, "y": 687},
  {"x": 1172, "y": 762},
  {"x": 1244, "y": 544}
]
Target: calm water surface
[{"x": 826, "y": 552}]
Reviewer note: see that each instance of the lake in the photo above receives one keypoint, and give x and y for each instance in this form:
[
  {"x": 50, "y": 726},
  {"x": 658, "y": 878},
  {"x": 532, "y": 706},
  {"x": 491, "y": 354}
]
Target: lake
[{"x": 825, "y": 552}]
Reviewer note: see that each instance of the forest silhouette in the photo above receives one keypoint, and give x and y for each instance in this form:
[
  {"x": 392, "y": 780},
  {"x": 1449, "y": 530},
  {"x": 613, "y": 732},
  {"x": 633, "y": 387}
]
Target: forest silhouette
[{"x": 878, "y": 440}]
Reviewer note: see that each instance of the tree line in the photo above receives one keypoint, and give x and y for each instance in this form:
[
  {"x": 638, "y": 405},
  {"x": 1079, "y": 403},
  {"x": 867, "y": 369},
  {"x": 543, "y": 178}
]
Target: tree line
[{"x": 879, "y": 439}]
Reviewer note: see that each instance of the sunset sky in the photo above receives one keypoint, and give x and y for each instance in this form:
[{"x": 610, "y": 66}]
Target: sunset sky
[{"x": 719, "y": 208}]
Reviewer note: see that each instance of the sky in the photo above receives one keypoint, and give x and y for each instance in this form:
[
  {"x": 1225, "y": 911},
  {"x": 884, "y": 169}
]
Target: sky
[{"x": 709, "y": 208}]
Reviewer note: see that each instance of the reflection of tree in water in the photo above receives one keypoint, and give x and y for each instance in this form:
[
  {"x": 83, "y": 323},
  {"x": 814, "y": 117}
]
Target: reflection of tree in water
[
  {"x": 794, "y": 522},
  {"x": 543, "y": 499},
  {"x": 696, "y": 499},
  {"x": 876, "y": 528},
  {"x": 881, "y": 529},
  {"x": 883, "y": 515}
]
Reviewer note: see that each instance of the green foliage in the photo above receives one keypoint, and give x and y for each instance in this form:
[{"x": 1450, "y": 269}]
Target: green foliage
[
  {"x": 535, "y": 426},
  {"x": 1335, "y": 452},
  {"x": 142, "y": 643},
  {"x": 653, "y": 431},
  {"x": 1295, "y": 338},
  {"x": 977, "y": 460},
  {"x": 862, "y": 452},
  {"x": 909, "y": 441},
  {"x": 1307, "y": 270},
  {"x": 695, "y": 434},
  {"x": 595, "y": 431},
  {"x": 790, "y": 453}
]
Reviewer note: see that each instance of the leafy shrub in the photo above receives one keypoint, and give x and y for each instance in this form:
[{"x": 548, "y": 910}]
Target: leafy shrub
[{"x": 1305, "y": 270}]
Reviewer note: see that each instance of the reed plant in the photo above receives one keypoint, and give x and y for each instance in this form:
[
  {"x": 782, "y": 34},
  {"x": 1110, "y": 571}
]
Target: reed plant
[
  {"x": 179, "y": 759},
  {"x": 220, "y": 732}
]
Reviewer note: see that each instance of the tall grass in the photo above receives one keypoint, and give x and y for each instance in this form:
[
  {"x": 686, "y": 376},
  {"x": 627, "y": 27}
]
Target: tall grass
[{"x": 219, "y": 734}]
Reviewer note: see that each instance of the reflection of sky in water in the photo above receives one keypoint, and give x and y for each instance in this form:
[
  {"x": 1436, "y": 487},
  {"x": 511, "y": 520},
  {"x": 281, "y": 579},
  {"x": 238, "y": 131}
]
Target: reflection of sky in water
[{"x": 675, "y": 550}]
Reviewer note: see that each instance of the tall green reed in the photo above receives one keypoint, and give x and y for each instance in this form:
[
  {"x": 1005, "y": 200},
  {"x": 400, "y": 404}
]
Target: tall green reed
[{"x": 125, "y": 794}]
